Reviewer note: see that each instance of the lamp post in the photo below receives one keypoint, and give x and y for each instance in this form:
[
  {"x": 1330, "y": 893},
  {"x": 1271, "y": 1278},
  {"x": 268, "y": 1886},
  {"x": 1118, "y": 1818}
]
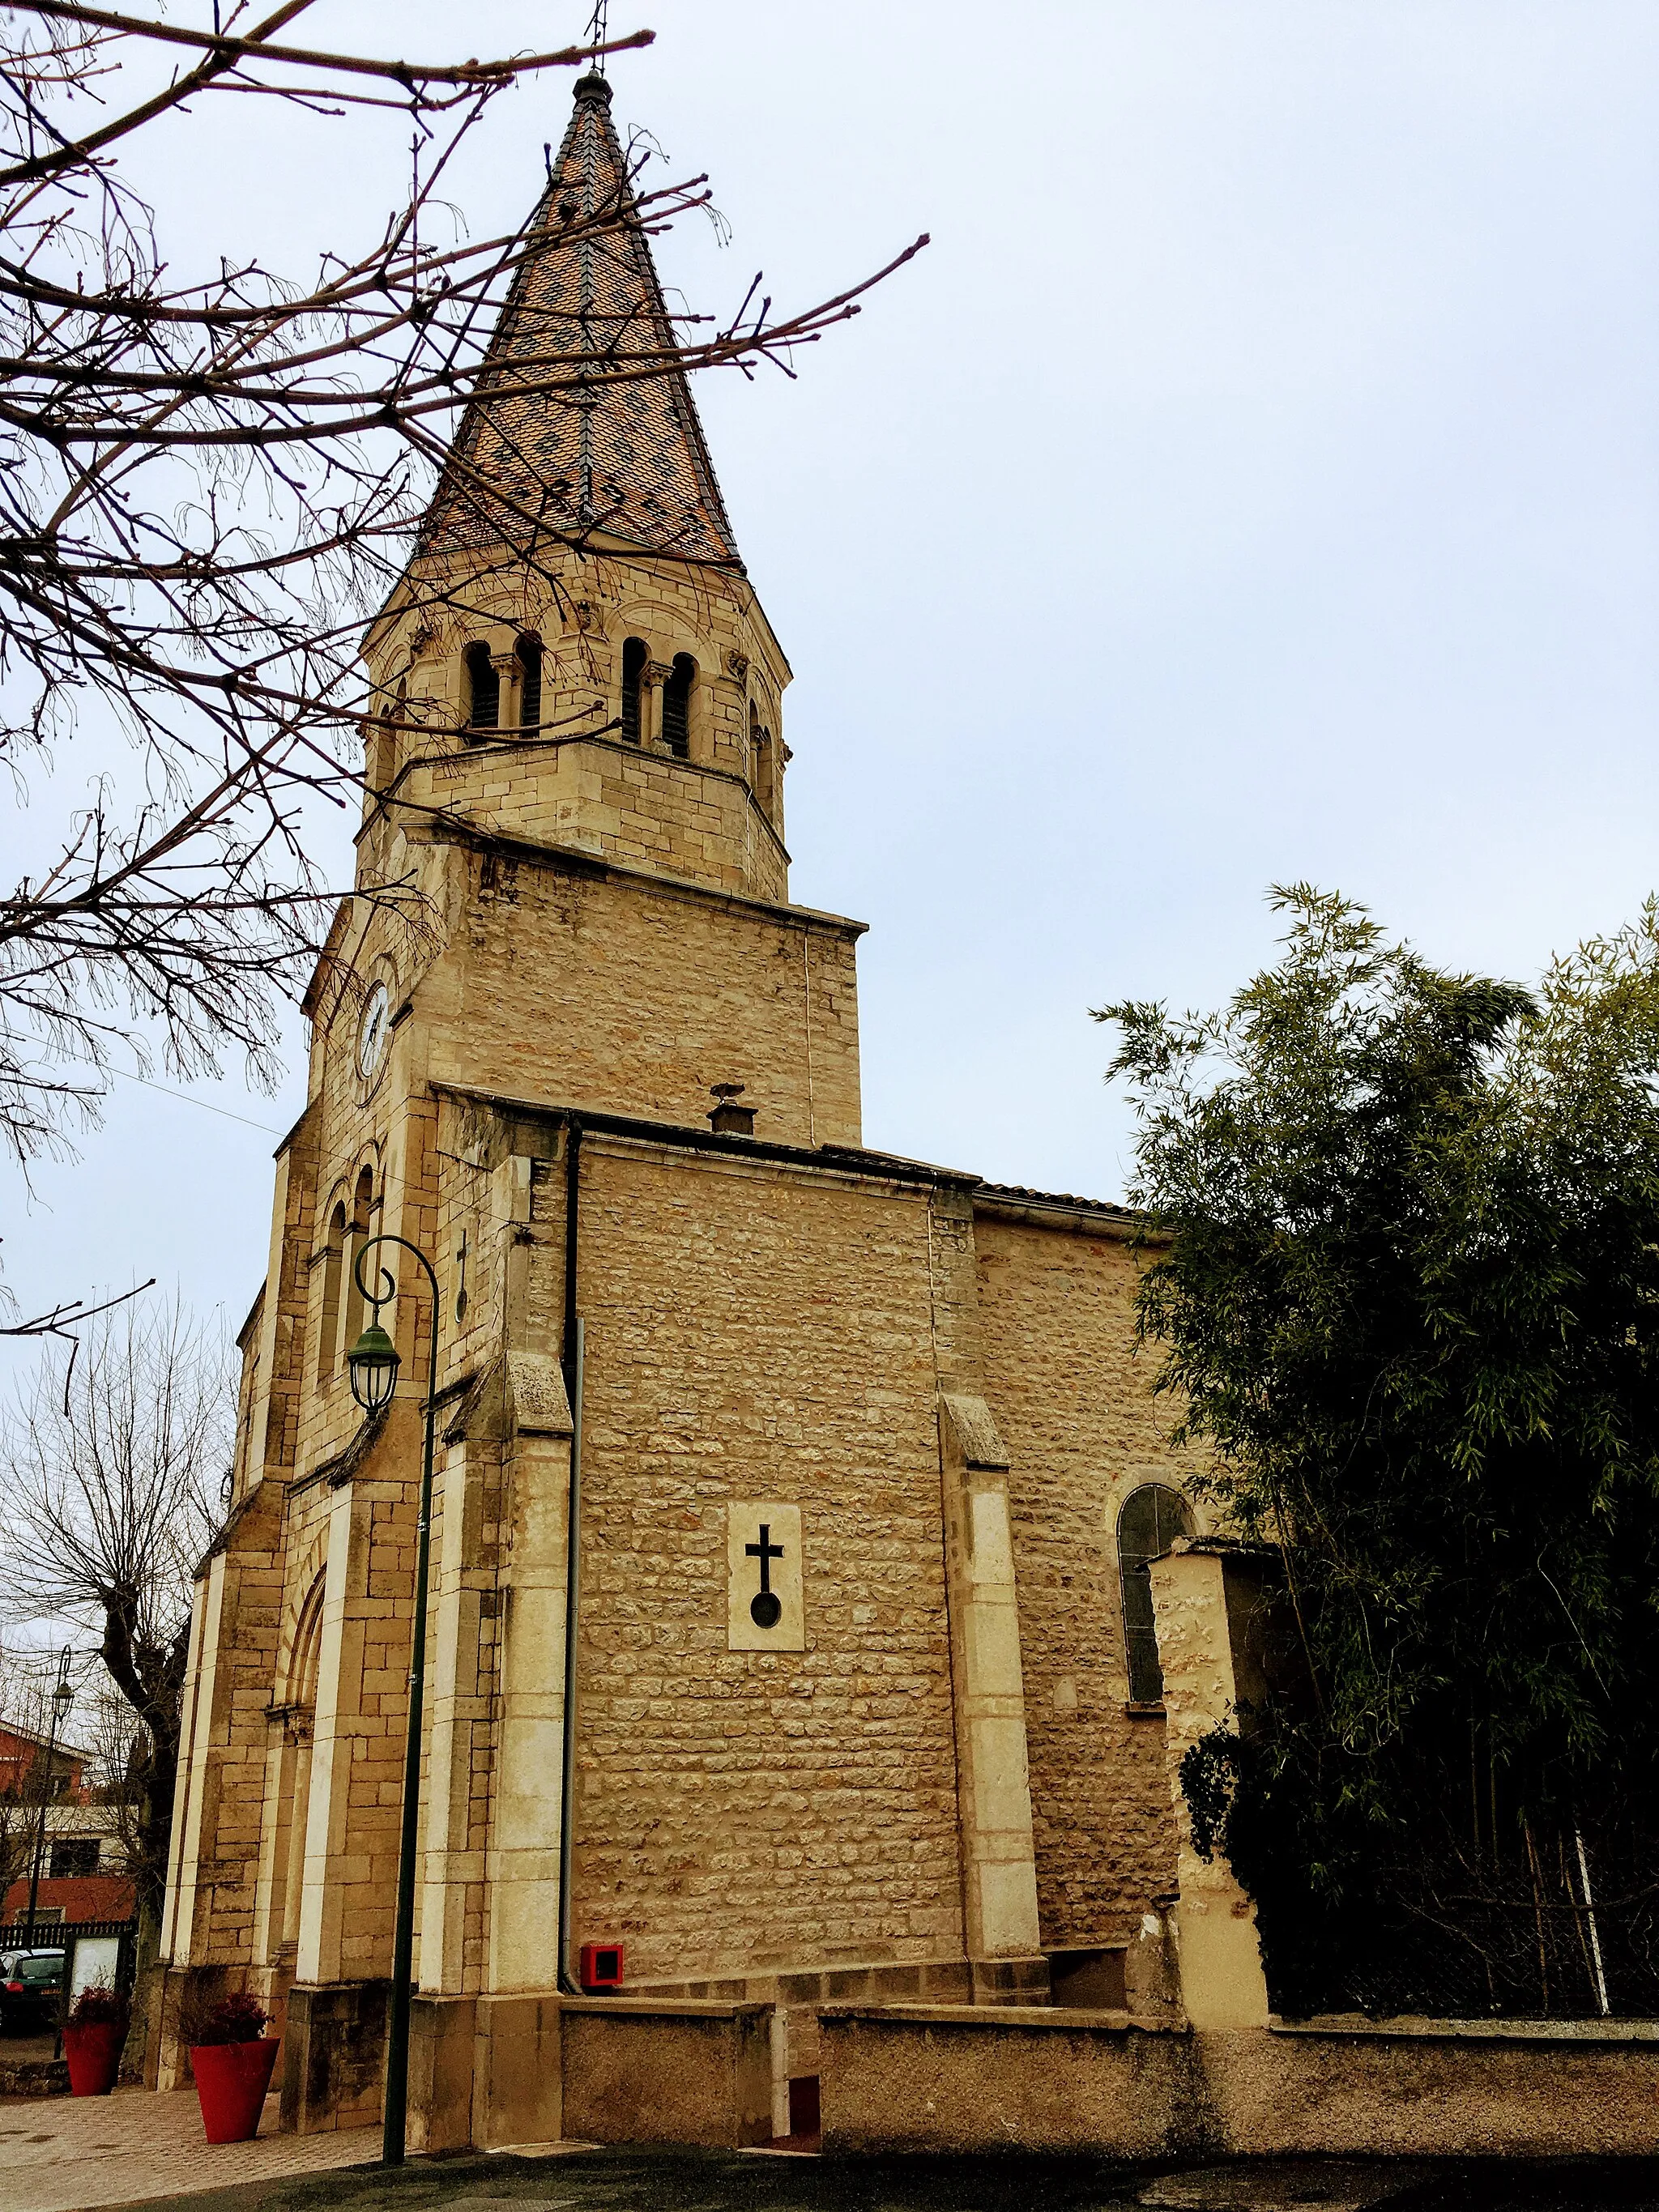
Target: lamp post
[
  {"x": 373, "y": 1363},
  {"x": 61, "y": 1698}
]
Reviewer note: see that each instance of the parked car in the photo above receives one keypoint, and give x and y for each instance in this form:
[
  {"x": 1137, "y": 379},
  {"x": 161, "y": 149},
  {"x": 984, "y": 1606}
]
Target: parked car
[{"x": 31, "y": 1983}]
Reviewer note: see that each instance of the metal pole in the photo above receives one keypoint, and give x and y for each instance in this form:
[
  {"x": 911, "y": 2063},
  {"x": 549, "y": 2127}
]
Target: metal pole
[
  {"x": 574, "y": 1349},
  {"x": 573, "y": 1586},
  {"x": 59, "y": 1705},
  {"x": 402, "y": 1940}
]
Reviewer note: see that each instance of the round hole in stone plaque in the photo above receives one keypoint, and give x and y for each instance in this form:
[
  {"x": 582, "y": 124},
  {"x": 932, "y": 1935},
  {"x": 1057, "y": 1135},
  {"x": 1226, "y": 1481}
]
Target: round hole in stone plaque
[{"x": 764, "y": 1608}]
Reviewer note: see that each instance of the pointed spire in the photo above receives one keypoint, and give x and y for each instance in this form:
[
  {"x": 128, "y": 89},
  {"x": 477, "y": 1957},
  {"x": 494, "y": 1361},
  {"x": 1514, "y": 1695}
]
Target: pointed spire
[{"x": 626, "y": 458}]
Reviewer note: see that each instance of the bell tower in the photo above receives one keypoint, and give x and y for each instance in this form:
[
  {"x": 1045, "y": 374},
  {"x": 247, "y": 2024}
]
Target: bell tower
[
  {"x": 575, "y": 655},
  {"x": 575, "y": 774}
]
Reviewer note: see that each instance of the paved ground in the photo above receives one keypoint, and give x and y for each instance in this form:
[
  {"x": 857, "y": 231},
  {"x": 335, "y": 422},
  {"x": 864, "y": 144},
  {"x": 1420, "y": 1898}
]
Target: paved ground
[
  {"x": 681, "y": 2181},
  {"x": 65, "y": 2154},
  {"x": 71, "y": 2154}
]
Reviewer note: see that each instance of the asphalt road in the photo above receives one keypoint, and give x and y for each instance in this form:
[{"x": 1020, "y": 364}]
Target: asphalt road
[{"x": 681, "y": 2181}]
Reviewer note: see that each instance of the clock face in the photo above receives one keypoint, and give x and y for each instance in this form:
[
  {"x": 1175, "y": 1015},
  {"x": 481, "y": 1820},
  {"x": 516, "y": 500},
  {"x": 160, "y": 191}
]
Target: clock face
[{"x": 373, "y": 1032}]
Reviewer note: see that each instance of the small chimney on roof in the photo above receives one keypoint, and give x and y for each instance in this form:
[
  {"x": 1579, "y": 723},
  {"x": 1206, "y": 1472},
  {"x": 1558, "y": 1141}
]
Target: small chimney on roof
[{"x": 726, "y": 1117}]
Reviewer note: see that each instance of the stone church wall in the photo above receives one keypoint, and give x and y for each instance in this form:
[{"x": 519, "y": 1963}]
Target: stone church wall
[
  {"x": 756, "y": 1331},
  {"x": 625, "y": 995},
  {"x": 1075, "y": 1407}
]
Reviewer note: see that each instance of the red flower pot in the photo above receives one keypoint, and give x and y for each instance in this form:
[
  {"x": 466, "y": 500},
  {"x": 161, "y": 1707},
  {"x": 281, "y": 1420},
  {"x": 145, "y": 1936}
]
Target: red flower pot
[
  {"x": 94, "y": 2053},
  {"x": 231, "y": 2081}
]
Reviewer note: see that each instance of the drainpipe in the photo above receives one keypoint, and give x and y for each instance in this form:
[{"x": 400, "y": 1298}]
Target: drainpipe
[{"x": 574, "y": 1347}]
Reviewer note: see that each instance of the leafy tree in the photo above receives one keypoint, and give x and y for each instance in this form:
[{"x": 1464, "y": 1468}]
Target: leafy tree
[{"x": 1403, "y": 1273}]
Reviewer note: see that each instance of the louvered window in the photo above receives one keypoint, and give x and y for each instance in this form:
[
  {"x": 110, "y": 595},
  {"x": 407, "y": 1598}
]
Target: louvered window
[
  {"x": 677, "y": 706},
  {"x": 530, "y": 682},
  {"x": 484, "y": 705},
  {"x": 633, "y": 659}
]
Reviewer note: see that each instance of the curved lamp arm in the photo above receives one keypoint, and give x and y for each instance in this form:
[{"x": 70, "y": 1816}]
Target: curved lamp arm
[{"x": 372, "y": 1362}]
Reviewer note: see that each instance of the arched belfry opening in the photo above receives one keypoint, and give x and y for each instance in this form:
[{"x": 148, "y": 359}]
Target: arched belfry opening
[
  {"x": 483, "y": 690},
  {"x": 357, "y": 1237},
  {"x": 763, "y": 769},
  {"x": 528, "y": 654},
  {"x": 677, "y": 706},
  {"x": 328, "y": 1329},
  {"x": 633, "y": 658}
]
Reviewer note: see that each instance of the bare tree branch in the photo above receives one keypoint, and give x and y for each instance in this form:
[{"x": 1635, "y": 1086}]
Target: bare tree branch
[
  {"x": 208, "y": 488},
  {"x": 113, "y": 1490}
]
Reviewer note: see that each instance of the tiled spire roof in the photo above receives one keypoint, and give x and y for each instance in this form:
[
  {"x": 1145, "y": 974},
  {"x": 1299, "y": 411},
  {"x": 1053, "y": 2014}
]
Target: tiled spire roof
[{"x": 627, "y": 457}]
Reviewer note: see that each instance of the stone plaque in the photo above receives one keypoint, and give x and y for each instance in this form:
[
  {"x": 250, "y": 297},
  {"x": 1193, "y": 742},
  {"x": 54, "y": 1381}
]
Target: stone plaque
[{"x": 763, "y": 1610}]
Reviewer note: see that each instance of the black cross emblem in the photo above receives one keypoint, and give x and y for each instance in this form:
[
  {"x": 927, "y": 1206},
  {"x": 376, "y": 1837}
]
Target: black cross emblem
[{"x": 765, "y": 1607}]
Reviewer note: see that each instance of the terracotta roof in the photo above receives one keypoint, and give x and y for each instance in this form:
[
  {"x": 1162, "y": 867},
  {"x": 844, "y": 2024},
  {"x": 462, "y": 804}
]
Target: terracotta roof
[
  {"x": 1018, "y": 1190},
  {"x": 626, "y": 455}
]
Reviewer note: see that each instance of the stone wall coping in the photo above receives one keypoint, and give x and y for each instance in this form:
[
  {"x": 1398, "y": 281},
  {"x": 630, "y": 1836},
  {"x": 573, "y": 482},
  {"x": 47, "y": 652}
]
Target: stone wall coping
[
  {"x": 849, "y": 1160},
  {"x": 1070, "y": 1215},
  {"x": 1413, "y": 2028},
  {"x": 1070, "y": 2018},
  {"x": 670, "y": 2008},
  {"x": 461, "y": 829}
]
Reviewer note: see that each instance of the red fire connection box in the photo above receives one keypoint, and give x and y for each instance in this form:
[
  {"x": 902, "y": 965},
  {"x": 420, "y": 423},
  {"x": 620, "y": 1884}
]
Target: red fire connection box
[{"x": 599, "y": 1966}]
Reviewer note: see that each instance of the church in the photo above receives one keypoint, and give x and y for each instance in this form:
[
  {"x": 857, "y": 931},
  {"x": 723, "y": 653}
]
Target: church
[{"x": 816, "y": 1612}]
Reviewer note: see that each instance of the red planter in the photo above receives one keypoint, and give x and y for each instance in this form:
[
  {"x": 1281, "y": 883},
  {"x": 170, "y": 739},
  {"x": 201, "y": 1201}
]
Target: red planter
[
  {"x": 231, "y": 2081},
  {"x": 94, "y": 2053}
]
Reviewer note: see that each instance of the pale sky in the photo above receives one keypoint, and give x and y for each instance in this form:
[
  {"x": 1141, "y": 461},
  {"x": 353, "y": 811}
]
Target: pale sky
[{"x": 1257, "y": 478}]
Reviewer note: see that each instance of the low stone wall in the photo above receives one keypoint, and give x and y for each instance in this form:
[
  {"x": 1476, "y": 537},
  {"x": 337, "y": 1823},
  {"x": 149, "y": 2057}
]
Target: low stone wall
[
  {"x": 532, "y": 2067},
  {"x": 1468, "y": 2089},
  {"x": 935, "y": 2078},
  {"x": 1001, "y": 2078},
  {"x": 666, "y": 2069},
  {"x": 33, "y": 2077}
]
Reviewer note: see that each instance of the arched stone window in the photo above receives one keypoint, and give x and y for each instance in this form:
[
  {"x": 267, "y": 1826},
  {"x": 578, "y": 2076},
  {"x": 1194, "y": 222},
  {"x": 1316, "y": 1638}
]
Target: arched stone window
[
  {"x": 382, "y": 763},
  {"x": 298, "y": 1708},
  {"x": 761, "y": 773},
  {"x": 483, "y": 690},
  {"x": 362, "y": 1206},
  {"x": 328, "y": 1333},
  {"x": 529, "y": 652},
  {"x": 1152, "y": 1518},
  {"x": 677, "y": 706},
  {"x": 635, "y": 657}
]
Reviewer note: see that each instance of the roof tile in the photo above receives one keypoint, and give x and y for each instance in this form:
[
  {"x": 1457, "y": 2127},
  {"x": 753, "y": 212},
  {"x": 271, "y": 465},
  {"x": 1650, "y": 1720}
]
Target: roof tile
[{"x": 624, "y": 454}]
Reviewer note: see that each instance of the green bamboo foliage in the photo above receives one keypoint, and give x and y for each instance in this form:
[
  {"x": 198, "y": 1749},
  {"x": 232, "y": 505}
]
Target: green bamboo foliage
[{"x": 1402, "y": 1276}]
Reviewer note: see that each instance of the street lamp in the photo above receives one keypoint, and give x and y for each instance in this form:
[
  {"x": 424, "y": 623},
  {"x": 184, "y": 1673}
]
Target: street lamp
[
  {"x": 373, "y": 1362},
  {"x": 372, "y": 1365},
  {"x": 61, "y": 1698}
]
